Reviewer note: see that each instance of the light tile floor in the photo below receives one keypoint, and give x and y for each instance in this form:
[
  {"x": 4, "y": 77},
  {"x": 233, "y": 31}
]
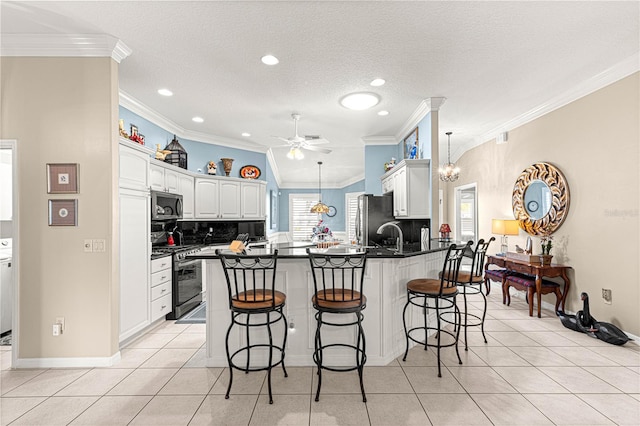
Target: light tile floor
[{"x": 532, "y": 371}]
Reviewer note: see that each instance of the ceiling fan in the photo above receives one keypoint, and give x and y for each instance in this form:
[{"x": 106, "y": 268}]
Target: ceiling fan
[{"x": 297, "y": 143}]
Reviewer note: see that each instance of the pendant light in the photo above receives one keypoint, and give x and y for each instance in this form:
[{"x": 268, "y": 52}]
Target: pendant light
[
  {"x": 320, "y": 207},
  {"x": 450, "y": 172}
]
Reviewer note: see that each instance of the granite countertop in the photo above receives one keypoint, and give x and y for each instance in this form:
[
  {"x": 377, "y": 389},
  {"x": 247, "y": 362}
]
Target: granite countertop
[{"x": 296, "y": 250}]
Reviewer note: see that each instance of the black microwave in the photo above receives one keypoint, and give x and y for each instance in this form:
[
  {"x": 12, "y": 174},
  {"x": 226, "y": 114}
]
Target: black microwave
[{"x": 165, "y": 206}]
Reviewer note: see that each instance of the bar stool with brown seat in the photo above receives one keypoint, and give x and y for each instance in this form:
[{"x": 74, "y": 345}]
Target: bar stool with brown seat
[
  {"x": 471, "y": 282},
  {"x": 338, "y": 280},
  {"x": 441, "y": 292},
  {"x": 254, "y": 303}
]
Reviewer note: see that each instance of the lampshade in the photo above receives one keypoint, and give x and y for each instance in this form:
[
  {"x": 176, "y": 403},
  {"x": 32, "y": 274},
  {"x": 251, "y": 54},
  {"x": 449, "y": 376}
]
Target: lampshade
[
  {"x": 505, "y": 227},
  {"x": 319, "y": 207},
  {"x": 445, "y": 227}
]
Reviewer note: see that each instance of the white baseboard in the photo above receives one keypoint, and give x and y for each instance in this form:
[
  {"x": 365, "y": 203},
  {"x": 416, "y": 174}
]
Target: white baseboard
[{"x": 78, "y": 362}]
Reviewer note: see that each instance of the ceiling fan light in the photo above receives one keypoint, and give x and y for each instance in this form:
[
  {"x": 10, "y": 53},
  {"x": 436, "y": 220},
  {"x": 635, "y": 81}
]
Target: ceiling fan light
[
  {"x": 295, "y": 154},
  {"x": 360, "y": 101}
]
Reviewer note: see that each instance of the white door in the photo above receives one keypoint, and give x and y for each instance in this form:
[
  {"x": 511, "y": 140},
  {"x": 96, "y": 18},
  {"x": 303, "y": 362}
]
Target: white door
[{"x": 466, "y": 213}]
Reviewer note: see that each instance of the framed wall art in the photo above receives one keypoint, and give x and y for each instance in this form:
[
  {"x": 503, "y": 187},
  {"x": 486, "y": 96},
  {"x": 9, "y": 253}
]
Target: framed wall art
[
  {"x": 62, "y": 178},
  {"x": 63, "y": 212},
  {"x": 412, "y": 145}
]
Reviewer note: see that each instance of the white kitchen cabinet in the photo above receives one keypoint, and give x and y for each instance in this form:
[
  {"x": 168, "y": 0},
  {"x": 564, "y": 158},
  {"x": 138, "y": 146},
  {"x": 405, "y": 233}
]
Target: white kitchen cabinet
[
  {"x": 230, "y": 199},
  {"x": 207, "y": 198},
  {"x": 134, "y": 261},
  {"x": 134, "y": 166},
  {"x": 187, "y": 190},
  {"x": 163, "y": 179},
  {"x": 160, "y": 287},
  {"x": 409, "y": 181},
  {"x": 253, "y": 200}
]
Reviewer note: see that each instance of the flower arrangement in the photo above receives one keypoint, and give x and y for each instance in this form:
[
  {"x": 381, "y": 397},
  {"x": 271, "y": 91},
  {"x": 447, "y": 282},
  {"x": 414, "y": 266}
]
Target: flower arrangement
[
  {"x": 546, "y": 243},
  {"x": 321, "y": 231}
]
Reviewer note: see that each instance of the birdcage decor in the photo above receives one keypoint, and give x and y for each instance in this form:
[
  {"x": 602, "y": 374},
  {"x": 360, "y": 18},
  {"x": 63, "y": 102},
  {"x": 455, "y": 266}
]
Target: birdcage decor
[{"x": 178, "y": 155}]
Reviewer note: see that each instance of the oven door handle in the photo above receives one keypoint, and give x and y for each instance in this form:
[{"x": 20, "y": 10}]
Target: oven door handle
[{"x": 187, "y": 262}]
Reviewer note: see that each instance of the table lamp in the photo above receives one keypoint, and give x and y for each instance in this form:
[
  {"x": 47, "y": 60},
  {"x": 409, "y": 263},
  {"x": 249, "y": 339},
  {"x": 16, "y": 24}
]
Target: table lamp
[
  {"x": 445, "y": 231},
  {"x": 504, "y": 227}
]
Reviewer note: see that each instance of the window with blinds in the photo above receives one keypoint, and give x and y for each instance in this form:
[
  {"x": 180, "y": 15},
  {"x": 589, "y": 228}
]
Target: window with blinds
[
  {"x": 351, "y": 210},
  {"x": 301, "y": 221}
]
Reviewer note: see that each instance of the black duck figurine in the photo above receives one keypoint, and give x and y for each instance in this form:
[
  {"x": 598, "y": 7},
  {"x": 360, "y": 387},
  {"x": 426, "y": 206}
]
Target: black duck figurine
[{"x": 583, "y": 322}]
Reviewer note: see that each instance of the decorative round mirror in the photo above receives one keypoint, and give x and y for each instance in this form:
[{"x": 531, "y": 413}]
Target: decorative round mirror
[{"x": 540, "y": 199}]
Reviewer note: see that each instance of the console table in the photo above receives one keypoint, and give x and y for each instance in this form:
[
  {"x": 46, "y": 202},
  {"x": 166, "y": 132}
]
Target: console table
[{"x": 535, "y": 269}]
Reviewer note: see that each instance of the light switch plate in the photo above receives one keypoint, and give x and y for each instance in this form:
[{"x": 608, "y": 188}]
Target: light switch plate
[{"x": 99, "y": 245}]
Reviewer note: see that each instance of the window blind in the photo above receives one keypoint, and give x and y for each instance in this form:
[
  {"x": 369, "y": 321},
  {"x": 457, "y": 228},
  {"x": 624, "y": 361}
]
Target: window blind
[{"x": 301, "y": 221}]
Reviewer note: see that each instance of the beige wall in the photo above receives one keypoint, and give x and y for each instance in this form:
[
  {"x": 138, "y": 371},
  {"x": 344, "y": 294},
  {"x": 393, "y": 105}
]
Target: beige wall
[
  {"x": 594, "y": 141},
  {"x": 65, "y": 110}
]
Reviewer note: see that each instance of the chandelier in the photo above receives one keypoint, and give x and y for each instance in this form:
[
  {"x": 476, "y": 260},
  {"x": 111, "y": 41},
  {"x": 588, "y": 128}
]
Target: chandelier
[
  {"x": 320, "y": 207},
  {"x": 450, "y": 172}
]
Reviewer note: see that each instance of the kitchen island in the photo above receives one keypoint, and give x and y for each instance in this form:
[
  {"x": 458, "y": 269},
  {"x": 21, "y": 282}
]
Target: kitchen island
[{"x": 385, "y": 288}]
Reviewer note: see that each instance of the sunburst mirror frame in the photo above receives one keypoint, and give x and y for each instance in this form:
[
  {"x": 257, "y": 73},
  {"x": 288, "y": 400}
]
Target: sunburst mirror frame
[{"x": 557, "y": 184}]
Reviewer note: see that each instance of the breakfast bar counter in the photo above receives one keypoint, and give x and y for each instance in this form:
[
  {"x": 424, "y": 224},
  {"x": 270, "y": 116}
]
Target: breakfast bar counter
[{"x": 385, "y": 288}]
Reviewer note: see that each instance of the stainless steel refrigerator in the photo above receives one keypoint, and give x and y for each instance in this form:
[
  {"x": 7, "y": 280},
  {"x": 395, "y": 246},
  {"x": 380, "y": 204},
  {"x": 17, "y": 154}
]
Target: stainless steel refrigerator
[{"x": 373, "y": 211}]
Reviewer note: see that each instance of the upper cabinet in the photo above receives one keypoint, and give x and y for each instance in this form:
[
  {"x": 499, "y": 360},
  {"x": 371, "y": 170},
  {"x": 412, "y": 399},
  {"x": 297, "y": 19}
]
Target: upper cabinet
[
  {"x": 134, "y": 166},
  {"x": 229, "y": 198},
  {"x": 253, "y": 199},
  {"x": 164, "y": 179},
  {"x": 409, "y": 181}
]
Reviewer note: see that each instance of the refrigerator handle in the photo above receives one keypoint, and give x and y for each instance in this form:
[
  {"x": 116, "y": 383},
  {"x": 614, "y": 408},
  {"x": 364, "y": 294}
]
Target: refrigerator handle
[{"x": 358, "y": 225}]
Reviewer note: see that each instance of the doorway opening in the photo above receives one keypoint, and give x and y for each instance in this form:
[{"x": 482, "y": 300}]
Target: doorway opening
[{"x": 467, "y": 212}]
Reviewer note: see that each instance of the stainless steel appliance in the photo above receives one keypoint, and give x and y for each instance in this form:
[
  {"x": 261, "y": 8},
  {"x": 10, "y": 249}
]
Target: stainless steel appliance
[
  {"x": 187, "y": 278},
  {"x": 373, "y": 211},
  {"x": 165, "y": 206}
]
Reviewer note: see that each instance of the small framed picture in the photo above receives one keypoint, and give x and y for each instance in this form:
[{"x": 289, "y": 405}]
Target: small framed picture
[
  {"x": 63, "y": 212},
  {"x": 62, "y": 178},
  {"x": 412, "y": 146}
]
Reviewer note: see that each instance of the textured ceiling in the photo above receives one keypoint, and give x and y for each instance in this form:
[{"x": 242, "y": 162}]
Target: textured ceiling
[{"x": 492, "y": 61}]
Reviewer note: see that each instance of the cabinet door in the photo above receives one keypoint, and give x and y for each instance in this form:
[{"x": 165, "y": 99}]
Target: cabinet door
[
  {"x": 157, "y": 177},
  {"x": 229, "y": 200},
  {"x": 400, "y": 192},
  {"x": 171, "y": 181},
  {"x": 134, "y": 169},
  {"x": 185, "y": 187},
  {"x": 387, "y": 185},
  {"x": 251, "y": 200},
  {"x": 134, "y": 262},
  {"x": 206, "y": 199}
]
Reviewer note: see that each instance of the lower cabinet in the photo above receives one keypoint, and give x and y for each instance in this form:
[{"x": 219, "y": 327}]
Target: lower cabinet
[
  {"x": 134, "y": 262},
  {"x": 161, "y": 278}
]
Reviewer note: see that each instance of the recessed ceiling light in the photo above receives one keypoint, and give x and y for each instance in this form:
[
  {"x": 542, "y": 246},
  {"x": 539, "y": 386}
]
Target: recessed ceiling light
[
  {"x": 165, "y": 92},
  {"x": 360, "y": 101},
  {"x": 378, "y": 82},
  {"x": 269, "y": 60},
  {"x": 198, "y": 119},
  {"x": 383, "y": 113},
  {"x": 246, "y": 135}
]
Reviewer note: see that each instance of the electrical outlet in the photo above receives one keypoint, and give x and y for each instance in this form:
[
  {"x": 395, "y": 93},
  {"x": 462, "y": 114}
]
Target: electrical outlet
[
  {"x": 57, "y": 329},
  {"x": 88, "y": 246},
  {"x": 60, "y": 320},
  {"x": 606, "y": 295}
]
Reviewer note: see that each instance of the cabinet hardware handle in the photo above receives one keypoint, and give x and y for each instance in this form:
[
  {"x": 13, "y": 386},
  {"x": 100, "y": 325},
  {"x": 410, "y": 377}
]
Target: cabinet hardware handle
[
  {"x": 162, "y": 308},
  {"x": 163, "y": 290},
  {"x": 163, "y": 277}
]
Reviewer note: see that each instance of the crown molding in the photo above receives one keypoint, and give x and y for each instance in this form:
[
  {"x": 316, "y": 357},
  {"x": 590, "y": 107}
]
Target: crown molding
[
  {"x": 351, "y": 180},
  {"x": 425, "y": 107},
  {"x": 132, "y": 104},
  {"x": 67, "y": 45},
  {"x": 610, "y": 75},
  {"x": 379, "y": 140}
]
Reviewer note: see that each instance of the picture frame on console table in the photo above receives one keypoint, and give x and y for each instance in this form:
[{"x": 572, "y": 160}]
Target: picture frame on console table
[{"x": 412, "y": 146}]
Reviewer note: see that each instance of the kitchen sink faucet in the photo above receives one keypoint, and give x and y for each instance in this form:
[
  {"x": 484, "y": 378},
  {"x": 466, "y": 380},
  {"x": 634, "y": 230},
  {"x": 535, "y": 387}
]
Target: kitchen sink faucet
[{"x": 399, "y": 240}]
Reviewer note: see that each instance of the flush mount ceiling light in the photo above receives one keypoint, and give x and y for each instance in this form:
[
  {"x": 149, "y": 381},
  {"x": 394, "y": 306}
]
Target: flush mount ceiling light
[
  {"x": 269, "y": 60},
  {"x": 165, "y": 92},
  {"x": 450, "y": 172},
  {"x": 197, "y": 120},
  {"x": 360, "y": 101},
  {"x": 246, "y": 135},
  {"x": 378, "y": 82},
  {"x": 383, "y": 113},
  {"x": 295, "y": 153},
  {"x": 320, "y": 207}
]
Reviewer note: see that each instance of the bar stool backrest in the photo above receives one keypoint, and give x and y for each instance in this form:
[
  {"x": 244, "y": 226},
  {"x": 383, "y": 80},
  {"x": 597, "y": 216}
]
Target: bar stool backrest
[
  {"x": 479, "y": 255},
  {"x": 251, "y": 279},
  {"x": 339, "y": 278},
  {"x": 451, "y": 267}
]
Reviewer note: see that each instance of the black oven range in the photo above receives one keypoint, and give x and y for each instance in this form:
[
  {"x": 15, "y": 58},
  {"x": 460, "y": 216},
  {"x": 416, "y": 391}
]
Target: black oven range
[{"x": 187, "y": 278}]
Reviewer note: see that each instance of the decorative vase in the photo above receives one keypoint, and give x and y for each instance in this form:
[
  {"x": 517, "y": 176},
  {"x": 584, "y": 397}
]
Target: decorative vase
[
  {"x": 226, "y": 165},
  {"x": 545, "y": 259}
]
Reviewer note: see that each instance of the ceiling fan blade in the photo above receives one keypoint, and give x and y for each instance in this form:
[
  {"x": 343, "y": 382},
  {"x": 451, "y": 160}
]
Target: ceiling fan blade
[
  {"x": 318, "y": 141},
  {"x": 282, "y": 139},
  {"x": 315, "y": 148}
]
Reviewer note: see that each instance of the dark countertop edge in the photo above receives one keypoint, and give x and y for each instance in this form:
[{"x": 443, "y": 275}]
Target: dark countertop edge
[{"x": 283, "y": 255}]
